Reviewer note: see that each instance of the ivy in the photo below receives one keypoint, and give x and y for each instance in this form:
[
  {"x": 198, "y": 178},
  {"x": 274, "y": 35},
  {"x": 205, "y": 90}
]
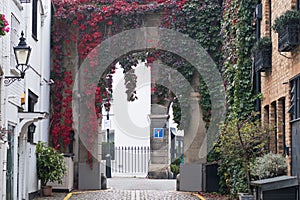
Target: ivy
[
  {"x": 200, "y": 20},
  {"x": 78, "y": 27},
  {"x": 238, "y": 39},
  {"x": 238, "y": 34}
]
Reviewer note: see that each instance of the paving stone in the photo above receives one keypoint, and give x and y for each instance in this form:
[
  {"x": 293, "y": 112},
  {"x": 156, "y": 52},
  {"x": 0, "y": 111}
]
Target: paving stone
[{"x": 134, "y": 195}]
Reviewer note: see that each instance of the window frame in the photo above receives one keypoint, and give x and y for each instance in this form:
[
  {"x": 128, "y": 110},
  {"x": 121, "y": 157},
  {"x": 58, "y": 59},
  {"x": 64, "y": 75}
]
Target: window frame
[
  {"x": 295, "y": 95},
  {"x": 34, "y": 19}
]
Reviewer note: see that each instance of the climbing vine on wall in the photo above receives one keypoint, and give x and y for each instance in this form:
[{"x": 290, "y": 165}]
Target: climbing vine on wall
[
  {"x": 238, "y": 37},
  {"x": 238, "y": 34},
  {"x": 200, "y": 20},
  {"x": 78, "y": 27}
]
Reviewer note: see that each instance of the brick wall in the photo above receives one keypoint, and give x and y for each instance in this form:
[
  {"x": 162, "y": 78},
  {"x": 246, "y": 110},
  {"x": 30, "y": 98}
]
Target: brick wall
[{"x": 275, "y": 83}]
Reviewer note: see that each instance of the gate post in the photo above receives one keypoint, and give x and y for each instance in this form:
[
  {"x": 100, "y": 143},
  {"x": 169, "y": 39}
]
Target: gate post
[
  {"x": 159, "y": 143},
  {"x": 192, "y": 175}
]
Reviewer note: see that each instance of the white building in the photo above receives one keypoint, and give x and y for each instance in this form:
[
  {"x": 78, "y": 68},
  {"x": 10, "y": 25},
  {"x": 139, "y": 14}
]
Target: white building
[
  {"x": 18, "y": 177},
  {"x": 129, "y": 126},
  {"x": 129, "y": 120}
]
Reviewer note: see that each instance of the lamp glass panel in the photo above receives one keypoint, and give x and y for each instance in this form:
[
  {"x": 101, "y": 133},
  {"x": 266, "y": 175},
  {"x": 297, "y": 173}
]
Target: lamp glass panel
[
  {"x": 21, "y": 56},
  {"x": 32, "y": 128}
]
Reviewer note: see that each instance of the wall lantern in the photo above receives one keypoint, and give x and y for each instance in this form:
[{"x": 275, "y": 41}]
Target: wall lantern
[{"x": 22, "y": 54}]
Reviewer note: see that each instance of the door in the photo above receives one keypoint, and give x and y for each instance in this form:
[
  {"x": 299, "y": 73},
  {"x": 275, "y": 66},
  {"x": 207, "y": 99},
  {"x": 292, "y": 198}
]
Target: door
[
  {"x": 10, "y": 165},
  {"x": 295, "y": 148}
]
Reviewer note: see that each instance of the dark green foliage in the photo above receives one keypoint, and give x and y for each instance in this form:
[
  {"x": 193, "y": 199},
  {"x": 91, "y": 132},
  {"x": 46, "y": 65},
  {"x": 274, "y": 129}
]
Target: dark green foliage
[
  {"x": 201, "y": 21},
  {"x": 50, "y": 164},
  {"x": 175, "y": 166},
  {"x": 262, "y": 43},
  {"x": 238, "y": 34},
  {"x": 241, "y": 141},
  {"x": 290, "y": 16},
  {"x": 238, "y": 40}
]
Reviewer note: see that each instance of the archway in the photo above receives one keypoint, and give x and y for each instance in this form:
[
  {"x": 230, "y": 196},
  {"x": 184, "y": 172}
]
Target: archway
[{"x": 114, "y": 47}]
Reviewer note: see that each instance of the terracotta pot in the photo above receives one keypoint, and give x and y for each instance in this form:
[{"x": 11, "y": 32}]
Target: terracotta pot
[{"x": 47, "y": 190}]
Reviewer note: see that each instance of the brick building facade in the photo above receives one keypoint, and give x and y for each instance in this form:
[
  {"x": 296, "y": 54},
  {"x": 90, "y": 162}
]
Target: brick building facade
[{"x": 279, "y": 85}]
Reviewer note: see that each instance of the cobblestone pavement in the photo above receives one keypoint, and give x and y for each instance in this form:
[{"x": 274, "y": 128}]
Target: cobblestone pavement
[
  {"x": 134, "y": 195},
  {"x": 55, "y": 196},
  {"x": 121, "y": 183},
  {"x": 129, "y": 189}
]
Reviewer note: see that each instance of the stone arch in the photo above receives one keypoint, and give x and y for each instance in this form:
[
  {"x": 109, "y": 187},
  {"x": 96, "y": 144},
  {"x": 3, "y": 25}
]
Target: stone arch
[{"x": 137, "y": 40}]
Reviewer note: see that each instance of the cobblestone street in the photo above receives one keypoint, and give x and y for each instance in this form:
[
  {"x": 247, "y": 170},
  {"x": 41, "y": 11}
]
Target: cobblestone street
[
  {"x": 122, "y": 183},
  {"x": 134, "y": 195},
  {"x": 130, "y": 189},
  {"x": 136, "y": 189}
]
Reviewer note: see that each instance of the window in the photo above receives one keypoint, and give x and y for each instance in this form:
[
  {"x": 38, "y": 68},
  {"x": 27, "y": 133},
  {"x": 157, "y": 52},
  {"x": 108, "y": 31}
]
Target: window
[
  {"x": 273, "y": 121},
  {"x": 34, "y": 19},
  {"x": 281, "y": 113},
  {"x": 270, "y": 17},
  {"x": 266, "y": 119},
  {"x": 258, "y": 16},
  {"x": 14, "y": 39},
  {"x": 32, "y": 100},
  {"x": 294, "y": 109}
]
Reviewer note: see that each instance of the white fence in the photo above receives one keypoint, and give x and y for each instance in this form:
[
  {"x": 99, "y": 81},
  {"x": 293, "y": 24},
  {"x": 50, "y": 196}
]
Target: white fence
[{"x": 130, "y": 161}]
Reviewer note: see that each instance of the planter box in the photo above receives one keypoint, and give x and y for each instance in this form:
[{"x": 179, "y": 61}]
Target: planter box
[
  {"x": 263, "y": 60},
  {"x": 67, "y": 182},
  {"x": 89, "y": 179},
  {"x": 191, "y": 179},
  {"x": 281, "y": 187},
  {"x": 288, "y": 38},
  {"x": 244, "y": 196},
  {"x": 212, "y": 179}
]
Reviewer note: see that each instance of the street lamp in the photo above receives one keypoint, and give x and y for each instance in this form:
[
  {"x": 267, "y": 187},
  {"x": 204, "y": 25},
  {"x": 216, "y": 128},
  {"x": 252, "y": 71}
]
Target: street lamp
[
  {"x": 22, "y": 54},
  {"x": 108, "y": 157}
]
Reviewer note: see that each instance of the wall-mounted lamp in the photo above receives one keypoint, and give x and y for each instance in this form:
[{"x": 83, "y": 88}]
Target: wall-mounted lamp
[
  {"x": 22, "y": 54},
  {"x": 31, "y": 130}
]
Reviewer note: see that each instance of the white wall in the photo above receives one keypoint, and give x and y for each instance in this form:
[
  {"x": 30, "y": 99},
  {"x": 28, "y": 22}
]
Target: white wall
[
  {"x": 36, "y": 80},
  {"x": 130, "y": 120}
]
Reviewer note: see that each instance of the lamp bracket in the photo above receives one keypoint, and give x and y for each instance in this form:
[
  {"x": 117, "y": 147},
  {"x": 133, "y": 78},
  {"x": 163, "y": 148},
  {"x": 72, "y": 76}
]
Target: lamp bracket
[{"x": 8, "y": 80}]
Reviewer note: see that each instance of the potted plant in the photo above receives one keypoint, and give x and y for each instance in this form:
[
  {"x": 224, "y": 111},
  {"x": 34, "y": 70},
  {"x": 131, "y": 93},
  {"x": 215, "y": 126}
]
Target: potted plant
[
  {"x": 288, "y": 29},
  {"x": 262, "y": 52},
  {"x": 50, "y": 166}
]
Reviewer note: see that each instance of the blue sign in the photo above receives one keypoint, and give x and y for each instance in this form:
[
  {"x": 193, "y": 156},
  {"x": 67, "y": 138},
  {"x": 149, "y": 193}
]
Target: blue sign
[{"x": 158, "y": 133}]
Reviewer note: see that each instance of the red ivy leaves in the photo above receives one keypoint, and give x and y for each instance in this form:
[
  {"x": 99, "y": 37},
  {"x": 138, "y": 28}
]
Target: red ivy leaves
[{"x": 89, "y": 19}]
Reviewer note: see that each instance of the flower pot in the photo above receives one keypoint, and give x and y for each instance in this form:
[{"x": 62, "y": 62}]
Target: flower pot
[
  {"x": 262, "y": 60},
  {"x": 288, "y": 38},
  {"x": 47, "y": 190}
]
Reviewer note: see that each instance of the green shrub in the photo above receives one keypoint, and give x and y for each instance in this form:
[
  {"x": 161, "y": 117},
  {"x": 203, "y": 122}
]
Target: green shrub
[
  {"x": 175, "y": 169},
  {"x": 50, "y": 164},
  {"x": 175, "y": 166}
]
